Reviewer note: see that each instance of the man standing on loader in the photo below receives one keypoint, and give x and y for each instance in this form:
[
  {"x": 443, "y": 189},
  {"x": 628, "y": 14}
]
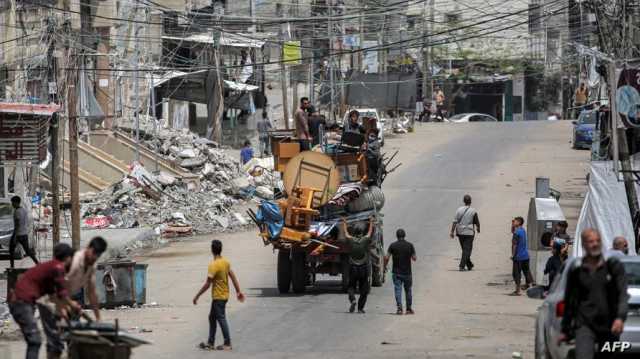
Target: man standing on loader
[{"x": 360, "y": 262}]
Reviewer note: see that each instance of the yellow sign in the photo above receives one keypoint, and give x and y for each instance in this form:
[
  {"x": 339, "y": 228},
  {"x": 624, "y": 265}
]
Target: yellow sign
[{"x": 292, "y": 52}]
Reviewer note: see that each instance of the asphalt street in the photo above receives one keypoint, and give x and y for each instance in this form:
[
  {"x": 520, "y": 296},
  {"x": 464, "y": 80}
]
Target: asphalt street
[{"x": 457, "y": 314}]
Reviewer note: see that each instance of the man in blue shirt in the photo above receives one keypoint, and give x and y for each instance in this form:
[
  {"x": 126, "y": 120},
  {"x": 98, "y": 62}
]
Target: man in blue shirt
[
  {"x": 246, "y": 153},
  {"x": 520, "y": 255}
]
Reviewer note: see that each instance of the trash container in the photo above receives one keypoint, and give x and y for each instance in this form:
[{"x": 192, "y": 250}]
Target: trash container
[{"x": 121, "y": 282}]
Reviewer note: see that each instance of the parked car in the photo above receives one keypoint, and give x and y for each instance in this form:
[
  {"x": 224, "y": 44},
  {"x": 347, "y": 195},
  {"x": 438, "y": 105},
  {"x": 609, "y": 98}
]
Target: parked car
[
  {"x": 550, "y": 313},
  {"x": 583, "y": 129},
  {"x": 6, "y": 227},
  {"x": 371, "y": 113},
  {"x": 472, "y": 117}
]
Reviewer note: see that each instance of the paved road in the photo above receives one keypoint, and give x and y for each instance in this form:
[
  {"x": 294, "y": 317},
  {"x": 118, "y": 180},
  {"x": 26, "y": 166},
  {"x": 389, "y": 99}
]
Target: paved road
[{"x": 458, "y": 314}]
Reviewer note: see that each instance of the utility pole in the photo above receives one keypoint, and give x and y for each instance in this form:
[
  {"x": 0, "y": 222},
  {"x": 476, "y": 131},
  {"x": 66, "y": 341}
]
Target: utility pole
[
  {"x": 136, "y": 87},
  {"x": 423, "y": 52},
  {"x": 72, "y": 78},
  {"x": 283, "y": 71},
  {"x": 432, "y": 11},
  {"x": 332, "y": 114},
  {"x": 55, "y": 133}
]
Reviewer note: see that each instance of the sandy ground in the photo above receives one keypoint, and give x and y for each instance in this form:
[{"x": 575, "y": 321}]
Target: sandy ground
[{"x": 459, "y": 314}]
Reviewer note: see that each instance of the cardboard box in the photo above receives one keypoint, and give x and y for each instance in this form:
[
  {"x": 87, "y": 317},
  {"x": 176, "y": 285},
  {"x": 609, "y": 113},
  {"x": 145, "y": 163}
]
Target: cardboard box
[{"x": 287, "y": 149}]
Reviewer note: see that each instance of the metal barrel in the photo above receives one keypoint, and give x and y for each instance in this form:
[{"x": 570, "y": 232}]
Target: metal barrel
[{"x": 368, "y": 199}]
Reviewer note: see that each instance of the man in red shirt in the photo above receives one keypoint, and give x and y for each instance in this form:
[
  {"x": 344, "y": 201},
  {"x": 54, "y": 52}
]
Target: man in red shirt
[{"x": 46, "y": 278}]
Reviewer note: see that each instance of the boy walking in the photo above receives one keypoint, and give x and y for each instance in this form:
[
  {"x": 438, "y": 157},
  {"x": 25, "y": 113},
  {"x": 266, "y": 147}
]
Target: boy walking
[
  {"x": 402, "y": 253},
  {"x": 520, "y": 255},
  {"x": 218, "y": 275},
  {"x": 246, "y": 153}
]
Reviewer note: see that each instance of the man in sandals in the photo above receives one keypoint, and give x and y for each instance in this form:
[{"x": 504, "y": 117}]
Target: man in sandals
[{"x": 218, "y": 275}]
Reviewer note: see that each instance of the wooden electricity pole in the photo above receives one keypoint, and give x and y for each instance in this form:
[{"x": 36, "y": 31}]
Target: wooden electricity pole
[
  {"x": 283, "y": 70},
  {"x": 72, "y": 78},
  {"x": 55, "y": 134}
]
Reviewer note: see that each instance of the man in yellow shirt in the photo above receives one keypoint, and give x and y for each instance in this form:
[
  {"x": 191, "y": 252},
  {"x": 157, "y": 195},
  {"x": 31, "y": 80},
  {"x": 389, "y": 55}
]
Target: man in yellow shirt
[{"x": 218, "y": 275}]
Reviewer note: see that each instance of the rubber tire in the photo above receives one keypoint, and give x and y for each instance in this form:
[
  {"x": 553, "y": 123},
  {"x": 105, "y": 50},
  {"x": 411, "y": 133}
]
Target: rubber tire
[
  {"x": 298, "y": 272},
  {"x": 284, "y": 271},
  {"x": 346, "y": 270}
]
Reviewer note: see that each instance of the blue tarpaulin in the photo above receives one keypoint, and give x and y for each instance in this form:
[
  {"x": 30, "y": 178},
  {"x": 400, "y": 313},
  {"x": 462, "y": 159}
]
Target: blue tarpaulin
[{"x": 269, "y": 213}]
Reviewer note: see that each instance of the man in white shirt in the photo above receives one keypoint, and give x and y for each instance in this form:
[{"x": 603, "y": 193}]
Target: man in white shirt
[
  {"x": 20, "y": 231},
  {"x": 82, "y": 274},
  {"x": 465, "y": 225}
]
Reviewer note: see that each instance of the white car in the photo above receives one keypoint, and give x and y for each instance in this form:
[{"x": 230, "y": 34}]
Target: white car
[
  {"x": 371, "y": 113},
  {"x": 472, "y": 117}
]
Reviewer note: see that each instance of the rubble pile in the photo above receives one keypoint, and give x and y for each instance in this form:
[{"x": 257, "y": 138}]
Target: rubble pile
[
  {"x": 144, "y": 199},
  {"x": 193, "y": 153},
  {"x": 176, "y": 207}
]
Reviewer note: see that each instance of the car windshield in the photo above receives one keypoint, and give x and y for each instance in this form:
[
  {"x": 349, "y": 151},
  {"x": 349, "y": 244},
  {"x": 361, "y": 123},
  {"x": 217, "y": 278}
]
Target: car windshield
[
  {"x": 368, "y": 114},
  {"x": 633, "y": 272},
  {"x": 588, "y": 118},
  {"x": 6, "y": 209},
  {"x": 457, "y": 117}
]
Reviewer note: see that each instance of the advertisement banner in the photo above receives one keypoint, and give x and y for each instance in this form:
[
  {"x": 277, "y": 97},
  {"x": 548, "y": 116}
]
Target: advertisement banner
[
  {"x": 370, "y": 61},
  {"x": 628, "y": 97},
  {"x": 292, "y": 52}
]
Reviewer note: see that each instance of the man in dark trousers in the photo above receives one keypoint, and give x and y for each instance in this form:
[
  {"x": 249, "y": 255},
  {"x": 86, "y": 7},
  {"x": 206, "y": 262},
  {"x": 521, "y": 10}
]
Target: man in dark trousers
[
  {"x": 359, "y": 260},
  {"x": 47, "y": 278},
  {"x": 218, "y": 274},
  {"x": 595, "y": 300},
  {"x": 402, "y": 253},
  {"x": 20, "y": 231},
  {"x": 520, "y": 255},
  {"x": 465, "y": 225}
]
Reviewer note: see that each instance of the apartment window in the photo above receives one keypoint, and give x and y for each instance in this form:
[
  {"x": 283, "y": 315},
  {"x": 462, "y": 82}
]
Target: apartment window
[{"x": 452, "y": 18}]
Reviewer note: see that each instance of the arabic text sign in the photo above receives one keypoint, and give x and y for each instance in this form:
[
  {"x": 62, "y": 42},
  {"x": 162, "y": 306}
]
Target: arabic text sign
[{"x": 22, "y": 138}]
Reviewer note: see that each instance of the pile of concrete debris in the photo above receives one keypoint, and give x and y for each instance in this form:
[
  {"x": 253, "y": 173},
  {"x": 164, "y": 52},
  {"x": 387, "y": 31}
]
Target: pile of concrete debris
[
  {"x": 144, "y": 199},
  {"x": 176, "y": 207}
]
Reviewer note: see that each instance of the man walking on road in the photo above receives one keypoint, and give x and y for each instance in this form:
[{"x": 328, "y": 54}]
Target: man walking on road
[
  {"x": 520, "y": 255},
  {"x": 218, "y": 275},
  {"x": 465, "y": 225},
  {"x": 402, "y": 253},
  {"x": 359, "y": 261},
  {"x": 595, "y": 300},
  {"x": 20, "y": 231}
]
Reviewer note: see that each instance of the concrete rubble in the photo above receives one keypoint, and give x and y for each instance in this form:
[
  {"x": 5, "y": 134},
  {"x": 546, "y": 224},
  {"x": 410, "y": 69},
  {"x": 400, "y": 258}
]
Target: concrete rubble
[{"x": 176, "y": 208}]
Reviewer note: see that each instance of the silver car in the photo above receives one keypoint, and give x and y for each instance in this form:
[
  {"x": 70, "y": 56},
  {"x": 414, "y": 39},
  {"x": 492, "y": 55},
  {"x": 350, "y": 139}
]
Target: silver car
[
  {"x": 6, "y": 230},
  {"x": 550, "y": 313}
]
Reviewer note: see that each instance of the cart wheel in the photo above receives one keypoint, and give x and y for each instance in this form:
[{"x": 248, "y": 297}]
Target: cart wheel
[
  {"x": 298, "y": 272},
  {"x": 284, "y": 271},
  {"x": 346, "y": 270}
]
